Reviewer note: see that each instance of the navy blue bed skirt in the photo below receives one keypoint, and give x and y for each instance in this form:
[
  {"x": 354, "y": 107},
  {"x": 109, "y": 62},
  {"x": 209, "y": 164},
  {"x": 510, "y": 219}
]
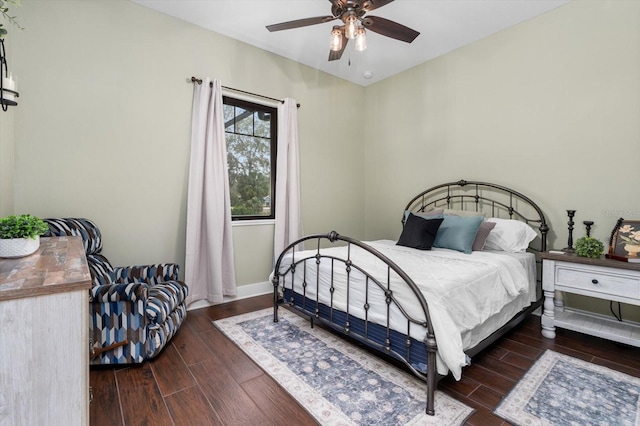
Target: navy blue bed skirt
[{"x": 412, "y": 352}]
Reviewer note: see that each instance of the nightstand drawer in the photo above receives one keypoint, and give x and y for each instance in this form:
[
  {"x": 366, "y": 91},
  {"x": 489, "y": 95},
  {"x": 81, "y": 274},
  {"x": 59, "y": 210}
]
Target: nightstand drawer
[{"x": 598, "y": 280}]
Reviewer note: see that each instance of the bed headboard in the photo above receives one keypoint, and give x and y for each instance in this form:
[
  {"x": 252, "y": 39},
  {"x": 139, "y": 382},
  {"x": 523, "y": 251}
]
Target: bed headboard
[{"x": 489, "y": 198}]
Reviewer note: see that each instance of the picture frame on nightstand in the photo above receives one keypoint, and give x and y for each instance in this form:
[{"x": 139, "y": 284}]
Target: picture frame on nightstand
[{"x": 624, "y": 244}]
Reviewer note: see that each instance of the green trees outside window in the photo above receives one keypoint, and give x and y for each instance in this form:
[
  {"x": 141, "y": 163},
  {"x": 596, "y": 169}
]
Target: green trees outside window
[{"x": 250, "y": 132}]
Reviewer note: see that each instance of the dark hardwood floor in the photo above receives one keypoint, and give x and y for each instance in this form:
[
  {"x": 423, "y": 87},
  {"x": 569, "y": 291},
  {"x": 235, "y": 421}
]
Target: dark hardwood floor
[{"x": 201, "y": 378}]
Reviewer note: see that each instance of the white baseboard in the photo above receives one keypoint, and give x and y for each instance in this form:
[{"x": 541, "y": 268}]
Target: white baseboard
[{"x": 244, "y": 292}]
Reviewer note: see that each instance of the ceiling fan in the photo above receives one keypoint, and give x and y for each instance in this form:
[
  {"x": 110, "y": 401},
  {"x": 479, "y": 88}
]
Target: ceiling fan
[{"x": 352, "y": 14}]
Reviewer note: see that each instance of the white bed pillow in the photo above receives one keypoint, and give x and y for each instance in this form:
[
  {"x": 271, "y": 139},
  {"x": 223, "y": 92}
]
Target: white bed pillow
[{"x": 509, "y": 235}]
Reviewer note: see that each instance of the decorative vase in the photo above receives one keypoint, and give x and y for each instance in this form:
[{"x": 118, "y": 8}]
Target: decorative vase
[
  {"x": 18, "y": 247},
  {"x": 632, "y": 249}
]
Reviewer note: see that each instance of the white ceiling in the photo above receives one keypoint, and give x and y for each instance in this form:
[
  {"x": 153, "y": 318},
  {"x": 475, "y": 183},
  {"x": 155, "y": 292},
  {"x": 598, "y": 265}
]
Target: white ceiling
[{"x": 444, "y": 25}]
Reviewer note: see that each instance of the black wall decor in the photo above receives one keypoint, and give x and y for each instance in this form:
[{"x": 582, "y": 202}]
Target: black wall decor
[{"x": 8, "y": 94}]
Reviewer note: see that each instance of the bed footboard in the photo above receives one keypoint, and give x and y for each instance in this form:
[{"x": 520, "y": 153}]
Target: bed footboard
[{"x": 334, "y": 300}]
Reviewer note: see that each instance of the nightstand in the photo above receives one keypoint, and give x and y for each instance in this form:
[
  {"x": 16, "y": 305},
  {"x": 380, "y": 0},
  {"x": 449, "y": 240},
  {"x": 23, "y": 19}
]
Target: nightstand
[{"x": 601, "y": 278}]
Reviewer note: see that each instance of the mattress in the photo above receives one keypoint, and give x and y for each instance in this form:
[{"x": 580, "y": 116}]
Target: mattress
[{"x": 469, "y": 295}]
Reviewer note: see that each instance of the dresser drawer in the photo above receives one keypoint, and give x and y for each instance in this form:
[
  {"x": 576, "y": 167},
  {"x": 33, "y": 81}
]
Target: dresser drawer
[{"x": 598, "y": 280}]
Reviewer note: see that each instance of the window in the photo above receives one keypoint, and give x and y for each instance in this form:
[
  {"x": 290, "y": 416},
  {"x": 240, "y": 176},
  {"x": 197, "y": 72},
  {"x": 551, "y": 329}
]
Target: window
[{"x": 251, "y": 136}]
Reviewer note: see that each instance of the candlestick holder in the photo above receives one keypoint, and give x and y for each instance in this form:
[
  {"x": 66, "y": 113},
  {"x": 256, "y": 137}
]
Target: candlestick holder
[
  {"x": 8, "y": 92},
  {"x": 569, "y": 248},
  {"x": 588, "y": 224}
]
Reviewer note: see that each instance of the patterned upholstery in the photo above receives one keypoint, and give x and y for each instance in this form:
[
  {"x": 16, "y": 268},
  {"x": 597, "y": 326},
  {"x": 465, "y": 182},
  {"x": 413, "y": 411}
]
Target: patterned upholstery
[{"x": 143, "y": 305}]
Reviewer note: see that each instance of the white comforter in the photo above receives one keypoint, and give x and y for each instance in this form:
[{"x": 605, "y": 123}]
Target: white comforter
[{"x": 461, "y": 290}]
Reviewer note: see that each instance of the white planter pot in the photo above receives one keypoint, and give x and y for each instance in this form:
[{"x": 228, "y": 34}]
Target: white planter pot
[{"x": 18, "y": 247}]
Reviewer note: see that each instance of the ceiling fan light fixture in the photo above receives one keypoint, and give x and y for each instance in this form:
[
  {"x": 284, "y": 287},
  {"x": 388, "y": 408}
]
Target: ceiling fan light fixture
[
  {"x": 354, "y": 24},
  {"x": 351, "y": 26},
  {"x": 336, "y": 39},
  {"x": 361, "y": 40}
]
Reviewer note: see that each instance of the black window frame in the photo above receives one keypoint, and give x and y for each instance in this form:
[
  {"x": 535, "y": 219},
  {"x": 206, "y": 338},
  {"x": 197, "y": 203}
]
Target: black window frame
[{"x": 273, "y": 137}]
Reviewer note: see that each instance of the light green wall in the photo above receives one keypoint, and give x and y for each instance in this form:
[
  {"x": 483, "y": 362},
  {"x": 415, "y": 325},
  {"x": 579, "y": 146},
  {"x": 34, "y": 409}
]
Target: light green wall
[
  {"x": 103, "y": 127},
  {"x": 550, "y": 108}
]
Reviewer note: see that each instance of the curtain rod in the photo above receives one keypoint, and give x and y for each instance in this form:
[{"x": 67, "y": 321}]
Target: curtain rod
[{"x": 199, "y": 81}]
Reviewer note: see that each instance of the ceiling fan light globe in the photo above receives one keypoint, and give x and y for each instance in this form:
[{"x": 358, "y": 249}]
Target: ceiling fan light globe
[
  {"x": 351, "y": 27},
  {"x": 361, "y": 40},
  {"x": 336, "y": 40}
]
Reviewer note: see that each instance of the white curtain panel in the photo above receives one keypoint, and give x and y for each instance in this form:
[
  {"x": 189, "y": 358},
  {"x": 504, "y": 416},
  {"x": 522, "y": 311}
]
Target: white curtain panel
[
  {"x": 209, "y": 269},
  {"x": 288, "y": 226}
]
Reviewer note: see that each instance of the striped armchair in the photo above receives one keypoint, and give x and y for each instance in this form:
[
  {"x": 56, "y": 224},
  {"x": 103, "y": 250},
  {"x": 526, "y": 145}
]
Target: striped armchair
[{"x": 134, "y": 310}]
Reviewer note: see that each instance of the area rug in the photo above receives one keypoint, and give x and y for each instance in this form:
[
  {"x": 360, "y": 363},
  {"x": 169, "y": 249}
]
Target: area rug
[
  {"x": 562, "y": 390},
  {"x": 335, "y": 381}
]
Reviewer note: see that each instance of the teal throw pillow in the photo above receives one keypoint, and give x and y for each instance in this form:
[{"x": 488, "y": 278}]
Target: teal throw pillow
[{"x": 458, "y": 233}]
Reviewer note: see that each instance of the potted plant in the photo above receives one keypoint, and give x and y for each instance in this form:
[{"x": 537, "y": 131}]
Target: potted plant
[
  {"x": 589, "y": 247},
  {"x": 4, "y": 10},
  {"x": 20, "y": 235}
]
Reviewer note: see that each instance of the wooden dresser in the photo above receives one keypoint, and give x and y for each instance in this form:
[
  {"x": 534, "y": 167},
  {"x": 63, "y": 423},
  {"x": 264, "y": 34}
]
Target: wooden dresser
[{"x": 44, "y": 336}]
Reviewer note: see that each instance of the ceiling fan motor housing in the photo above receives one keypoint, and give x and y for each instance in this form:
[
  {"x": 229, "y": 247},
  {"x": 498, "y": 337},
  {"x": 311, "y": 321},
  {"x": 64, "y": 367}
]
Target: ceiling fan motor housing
[{"x": 345, "y": 8}]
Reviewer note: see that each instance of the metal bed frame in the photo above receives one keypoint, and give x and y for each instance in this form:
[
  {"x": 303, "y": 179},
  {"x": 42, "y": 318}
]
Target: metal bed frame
[{"x": 492, "y": 199}]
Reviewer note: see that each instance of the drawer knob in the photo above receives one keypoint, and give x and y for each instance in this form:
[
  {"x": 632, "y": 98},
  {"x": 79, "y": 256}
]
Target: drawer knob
[{"x": 594, "y": 281}]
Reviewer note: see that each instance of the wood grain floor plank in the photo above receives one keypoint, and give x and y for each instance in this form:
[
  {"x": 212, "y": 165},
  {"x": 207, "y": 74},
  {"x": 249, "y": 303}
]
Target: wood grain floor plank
[
  {"x": 230, "y": 402},
  {"x": 517, "y": 360},
  {"x": 190, "y": 346},
  {"x": 242, "y": 307},
  {"x": 465, "y": 386},
  {"x": 231, "y": 357},
  {"x": 598, "y": 347},
  {"x": 267, "y": 394},
  {"x": 521, "y": 349},
  {"x": 507, "y": 370},
  {"x": 170, "y": 371},
  {"x": 490, "y": 378},
  {"x": 105, "y": 407},
  {"x": 533, "y": 338},
  {"x": 486, "y": 396},
  {"x": 141, "y": 400},
  {"x": 190, "y": 407},
  {"x": 495, "y": 351},
  {"x": 632, "y": 371},
  {"x": 482, "y": 416},
  {"x": 198, "y": 320}
]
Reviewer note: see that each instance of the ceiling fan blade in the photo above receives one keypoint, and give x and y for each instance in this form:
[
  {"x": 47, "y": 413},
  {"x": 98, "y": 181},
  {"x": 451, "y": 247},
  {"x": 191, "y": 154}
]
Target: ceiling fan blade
[
  {"x": 300, "y": 23},
  {"x": 334, "y": 55},
  {"x": 389, "y": 28},
  {"x": 370, "y": 5}
]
